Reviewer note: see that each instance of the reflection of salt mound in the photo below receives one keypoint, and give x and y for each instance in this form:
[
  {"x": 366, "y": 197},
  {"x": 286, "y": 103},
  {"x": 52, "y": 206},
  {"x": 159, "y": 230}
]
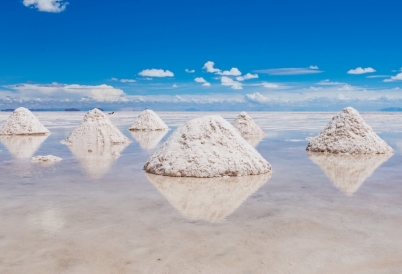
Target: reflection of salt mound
[
  {"x": 22, "y": 146},
  {"x": 23, "y": 122},
  {"x": 348, "y": 172},
  {"x": 253, "y": 140},
  {"x": 148, "y": 139},
  {"x": 348, "y": 133},
  {"x": 246, "y": 126},
  {"x": 206, "y": 147},
  {"x": 148, "y": 121},
  {"x": 211, "y": 200},
  {"x": 96, "y": 160},
  {"x": 96, "y": 128}
]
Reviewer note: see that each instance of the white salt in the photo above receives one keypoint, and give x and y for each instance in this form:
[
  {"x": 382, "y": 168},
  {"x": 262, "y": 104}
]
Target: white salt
[
  {"x": 23, "y": 122},
  {"x": 47, "y": 159},
  {"x": 148, "y": 120},
  {"x": 206, "y": 147},
  {"x": 348, "y": 133},
  {"x": 96, "y": 129},
  {"x": 246, "y": 126}
]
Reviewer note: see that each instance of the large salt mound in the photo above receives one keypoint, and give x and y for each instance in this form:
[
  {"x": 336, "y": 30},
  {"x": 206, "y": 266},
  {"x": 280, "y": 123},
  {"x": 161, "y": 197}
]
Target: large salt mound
[
  {"x": 96, "y": 129},
  {"x": 210, "y": 200},
  {"x": 23, "y": 122},
  {"x": 348, "y": 133},
  {"x": 348, "y": 172},
  {"x": 246, "y": 126},
  {"x": 148, "y": 121},
  {"x": 206, "y": 147}
]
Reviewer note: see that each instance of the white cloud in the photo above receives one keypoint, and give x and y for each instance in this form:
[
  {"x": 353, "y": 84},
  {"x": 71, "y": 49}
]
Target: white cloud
[
  {"x": 257, "y": 98},
  {"x": 270, "y": 85},
  {"x": 397, "y": 77},
  {"x": 327, "y": 82},
  {"x": 156, "y": 73},
  {"x": 361, "y": 70},
  {"x": 200, "y": 80},
  {"x": 226, "y": 81},
  {"x": 114, "y": 79},
  {"x": 209, "y": 67},
  {"x": 313, "y": 67},
  {"x": 378, "y": 76},
  {"x": 231, "y": 72},
  {"x": 47, "y": 5},
  {"x": 174, "y": 86},
  {"x": 206, "y": 84},
  {"x": 289, "y": 71},
  {"x": 247, "y": 77},
  {"x": 128, "y": 80},
  {"x": 189, "y": 70}
]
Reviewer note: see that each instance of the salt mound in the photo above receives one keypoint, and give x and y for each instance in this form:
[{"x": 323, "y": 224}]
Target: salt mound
[
  {"x": 206, "y": 147},
  {"x": 23, "y": 122},
  {"x": 246, "y": 126},
  {"x": 96, "y": 129},
  {"x": 23, "y": 147},
  {"x": 348, "y": 133},
  {"x": 210, "y": 200},
  {"x": 48, "y": 159},
  {"x": 148, "y": 139},
  {"x": 348, "y": 172},
  {"x": 148, "y": 121}
]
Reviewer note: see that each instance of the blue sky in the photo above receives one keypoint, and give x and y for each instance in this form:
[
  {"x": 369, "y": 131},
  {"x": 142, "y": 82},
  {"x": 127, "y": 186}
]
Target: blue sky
[{"x": 128, "y": 53}]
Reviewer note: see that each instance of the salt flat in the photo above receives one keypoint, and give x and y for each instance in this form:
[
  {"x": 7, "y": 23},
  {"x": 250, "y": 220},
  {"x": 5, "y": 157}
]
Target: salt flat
[{"x": 100, "y": 213}]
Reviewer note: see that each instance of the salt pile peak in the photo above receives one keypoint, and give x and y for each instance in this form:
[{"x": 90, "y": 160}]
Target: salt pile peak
[
  {"x": 23, "y": 122},
  {"x": 148, "y": 120},
  {"x": 246, "y": 125},
  {"x": 347, "y": 132},
  {"x": 96, "y": 128},
  {"x": 206, "y": 147}
]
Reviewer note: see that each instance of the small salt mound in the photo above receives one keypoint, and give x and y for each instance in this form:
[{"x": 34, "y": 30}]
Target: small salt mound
[
  {"x": 23, "y": 122},
  {"x": 48, "y": 159},
  {"x": 348, "y": 133},
  {"x": 348, "y": 172},
  {"x": 96, "y": 128},
  {"x": 246, "y": 126},
  {"x": 148, "y": 139},
  {"x": 210, "y": 200},
  {"x": 148, "y": 121},
  {"x": 206, "y": 147},
  {"x": 23, "y": 147}
]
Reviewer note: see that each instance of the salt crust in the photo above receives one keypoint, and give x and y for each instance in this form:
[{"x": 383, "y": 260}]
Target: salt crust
[
  {"x": 348, "y": 133},
  {"x": 148, "y": 139},
  {"x": 45, "y": 159},
  {"x": 22, "y": 146},
  {"x": 148, "y": 120},
  {"x": 206, "y": 147},
  {"x": 348, "y": 172},
  {"x": 96, "y": 129},
  {"x": 210, "y": 200},
  {"x": 246, "y": 126},
  {"x": 23, "y": 122}
]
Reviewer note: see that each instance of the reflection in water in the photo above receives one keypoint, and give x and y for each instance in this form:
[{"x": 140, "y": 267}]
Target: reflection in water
[
  {"x": 148, "y": 139},
  {"x": 211, "y": 199},
  {"x": 348, "y": 172},
  {"x": 48, "y": 219},
  {"x": 22, "y": 146},
  {"x": 97, "y": 159},
  {"x": 253, "y": 140}
]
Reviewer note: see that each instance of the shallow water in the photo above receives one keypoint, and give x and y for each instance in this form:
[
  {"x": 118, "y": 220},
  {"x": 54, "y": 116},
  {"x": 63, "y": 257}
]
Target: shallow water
[{"x": 99, "y": 213}]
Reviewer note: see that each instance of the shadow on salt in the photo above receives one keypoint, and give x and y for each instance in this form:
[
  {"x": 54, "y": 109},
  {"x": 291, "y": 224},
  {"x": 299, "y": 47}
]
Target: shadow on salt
[
  {"x": 148, "y": 139},
  {"x": 96, "y": 160},
  {"x": 348, "y": 172},
  {"x": 212, "y": 199},
  {"x": 22, "y": 146}
]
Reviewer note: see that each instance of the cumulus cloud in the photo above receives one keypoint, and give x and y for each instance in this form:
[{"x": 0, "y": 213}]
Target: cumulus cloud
[
  {"x": 209, "y": 67},
  {"x": 361, "y": 70},
  {"x": 226, "y": 81},
  {"x": 257, "y": 98},
  {"x": 397, "y": 77},
  {"x": 156, "y": 73},
  {"x": 270, "y": 85},
  {"x": 313, "y": 67},
  {"x": 55, "y": 6},
  {"x": 288, "y": 71},
  {"x": 247, "y": 77},
  {"x": 231, "y": 72},
  {"x": 206, "y": 84},
  {"x": 189, "y": 70},
  {"x": 200, "y": 80}
]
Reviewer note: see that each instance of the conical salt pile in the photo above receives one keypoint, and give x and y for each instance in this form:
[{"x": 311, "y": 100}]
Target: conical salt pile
[
  {"x": 148, "y": 121},
  {"x": 348, "y": 133},
  {"x": 206, "y": 147},
  {"x": 246, "y": 126},
  {"x": 23, "y": 122},
  {"x": 210, "y": 200},
  {"x": 96, "y": 128},
  {"x": 348, "y": 172}
]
